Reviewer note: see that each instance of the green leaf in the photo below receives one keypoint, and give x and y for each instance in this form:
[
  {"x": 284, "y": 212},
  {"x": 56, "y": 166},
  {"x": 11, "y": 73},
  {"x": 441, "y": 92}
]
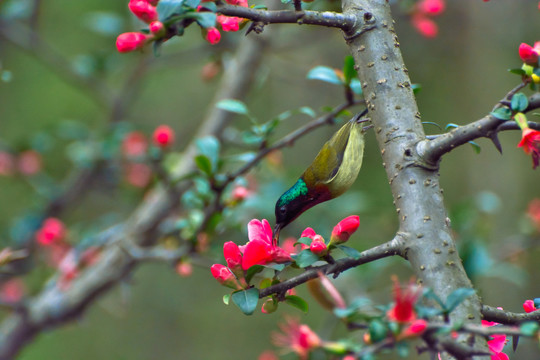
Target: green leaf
[
  {"x": 350, "y": 252},
  {"x": 232, "y": 105},
  {"x": 429, "y": 294},
  {"x": 277, "y": 267},
  {"x": 226, "y": 299},
  {"x": 306, "y": 258},
  {"x": 416, "y": 88},
  {"x": 519, "y": 102},
  {"x": 304, "y": 240},
  {"x": 324, "y": 73},
  {"x": 477, "y": 149},
  {"x": 209, "y": 146},
  {"x": 205, "y": 19},
  {"x": 167, "y": 8},
  {"x": 457, "y": 297},
  {"x": 529, "y": 328},
  {"x": 252, "y": 271},
  {"x": 348, "y": 69},
  {"x": 377, "y": 330},
  {"x": 517, "y": 71},
  {"x": 297, "y": 302},
  {"x": 194, "y": 3},
  {"x": 266, "y": 282},
  {"x": 536, "y": 302},
  {"x": 246, "y": 300},
  {"x": 306, "y": 110},
  {"x": 502, "y": 113},
  {"x": 402, "y": 348},
  {"x": 356, "y": 86},
  {"x": 204, "y": 164}
]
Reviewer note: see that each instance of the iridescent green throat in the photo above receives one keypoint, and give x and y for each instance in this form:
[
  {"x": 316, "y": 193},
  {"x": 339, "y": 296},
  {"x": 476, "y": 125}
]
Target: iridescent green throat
[{"x": 298, "y": 189}]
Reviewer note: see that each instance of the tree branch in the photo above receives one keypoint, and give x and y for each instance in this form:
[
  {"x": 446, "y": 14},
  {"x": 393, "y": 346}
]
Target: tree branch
[
  {"x": 506, "y": 317},
  {"x": 321, "y": 18}
]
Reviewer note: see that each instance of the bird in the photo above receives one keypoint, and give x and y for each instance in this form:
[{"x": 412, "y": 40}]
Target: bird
[{"x": 331, "y": 173}]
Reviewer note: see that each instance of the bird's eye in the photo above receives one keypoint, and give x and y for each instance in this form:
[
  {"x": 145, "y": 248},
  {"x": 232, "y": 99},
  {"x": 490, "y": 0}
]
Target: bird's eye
[{"x": 283, "y": 210}]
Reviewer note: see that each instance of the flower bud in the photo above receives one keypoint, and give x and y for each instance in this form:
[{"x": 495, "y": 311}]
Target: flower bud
[
  {"x": 318, "y": 247},
  {"x": 131, "y": 41},
  {"x": 528, "y": 306},
  {"x": 156, "y": 28},
  {"x": 163, "y": 136},
  {"x": 344, "y": 229},
  {"x": 232, "y": 255},
  {"x": 52, "y": 230},
  {"x": 224, "y": 276},
  {"x": 528, "y": 54},
  {"x": 143, "y": 10},
  {"x": 213, "y": 35}
]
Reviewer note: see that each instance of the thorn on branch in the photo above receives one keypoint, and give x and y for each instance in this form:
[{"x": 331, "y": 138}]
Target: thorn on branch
[{"x": 494, "y": 137}]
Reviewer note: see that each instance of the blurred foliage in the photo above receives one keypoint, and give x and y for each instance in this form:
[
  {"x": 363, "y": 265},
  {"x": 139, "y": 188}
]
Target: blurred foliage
[{"x": 157, "y": 314}]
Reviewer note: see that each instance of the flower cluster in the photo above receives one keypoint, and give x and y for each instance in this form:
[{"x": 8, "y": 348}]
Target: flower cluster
[
  {"x": 135, "y": 146},
  {"x": 146, "y": 11},
  {"x": 259, "y": 250},
  {"x": 403, "y": 311},
  {"x": 530, "y": 56},
  {"x": 26, "y": 163},
  {"x": 60, "y": 254},
  {"x": 340, "y": 234},
  {"x": 422, "y": 14}
]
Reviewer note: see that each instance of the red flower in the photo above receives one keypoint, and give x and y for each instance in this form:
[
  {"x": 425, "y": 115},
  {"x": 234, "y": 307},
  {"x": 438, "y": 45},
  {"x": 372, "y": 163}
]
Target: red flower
[
  {"x": 134, "y": 144},
  {"x": 232, "y": 255},
  {"x": 156, "y": 27},
  {"x": 240, "y": 193},
  {"x": 528, "y": 54},
  {"x": 224, "y": 276},
  {"x": 261, "y": 250},
  {"x": 404, "y": 299},
  {"x": 318, "y": 247},
  {"x": 143, "y": 10},
  {"x": 52, "y": 231},
  {"x": 416, "y": 328},
  {"x": 425, "y": 26},
  {"x": 431, "y": 7},
  {"x": 229, "y": 23},
  {"x": 497, "y": 342},
  {"x": 296, "y": 337},
  {"x": 163, "y": 136},
  {"x": 184, "y": 268},
  {"x": 344, "y": 229},
  {"x": 530, "y": 141},
  {"x": 213, "y": 35},
  {"x": 131, "y": 41},
  {"x": 528, "y": 306}
]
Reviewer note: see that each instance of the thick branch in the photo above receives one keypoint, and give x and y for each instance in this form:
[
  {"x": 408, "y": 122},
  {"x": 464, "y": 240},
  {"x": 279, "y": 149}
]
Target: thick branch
[
  {"x": 321, "y": 18},
  {"x": 506, "y": 317},
  {"x": 488, "y": 126}
]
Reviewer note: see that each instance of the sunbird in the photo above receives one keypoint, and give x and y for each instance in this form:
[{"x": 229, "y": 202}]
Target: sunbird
[{"x": 332, "y": 173}]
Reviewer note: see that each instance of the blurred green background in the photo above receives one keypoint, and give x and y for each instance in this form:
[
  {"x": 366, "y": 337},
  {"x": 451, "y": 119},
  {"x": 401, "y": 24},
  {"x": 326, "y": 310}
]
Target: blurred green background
[{"x": 159, "y": 315}]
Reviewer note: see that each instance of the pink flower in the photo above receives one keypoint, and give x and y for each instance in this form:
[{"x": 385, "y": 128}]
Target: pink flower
[
  {"x": 138, "y": 174},
  {"x": 496, "y": 344},
  {"x": 134, "y": 144},
  {"x": 6, "y": 163},
  {"x": 12, "y": 290},
  {"x": 224, "y": 276},
  {"x": 296, "y": 337},
  {"x": 229, "y": 23},
  {"x": 289, "y": 245},
  {"x": 425, "y": 26},
  {"x": 416, "y": 328},
  {"x": 530, "y": 142},
  {"x": 404, "y": 301},
  {"x": 528, "y": 54},
  {"x": 29, "y": 162},
  {"x": 431, "y": 7},
  {"x": 261, "y": 250},
  {"x": 184, "y": 268},
  {"x": 240, "y": 193},
  {"x": 52, "y": 231},
  {"x": 344, "y": 229},
  {"x": 232, "y": 255},
  {"x": 318, "y": 247},
  {"x": 131, "y": 41},
  {"x": 156, "y": 27},
  {"x": 213, "y": 35},
  {"x": 143, "y": 10},
  {"x": 163, "y": 136},
  {"x": 528, "y": 306}
]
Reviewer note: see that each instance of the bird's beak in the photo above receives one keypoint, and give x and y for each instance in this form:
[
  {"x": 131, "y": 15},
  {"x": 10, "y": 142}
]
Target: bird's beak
[{"x": 277, "y": 229}]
